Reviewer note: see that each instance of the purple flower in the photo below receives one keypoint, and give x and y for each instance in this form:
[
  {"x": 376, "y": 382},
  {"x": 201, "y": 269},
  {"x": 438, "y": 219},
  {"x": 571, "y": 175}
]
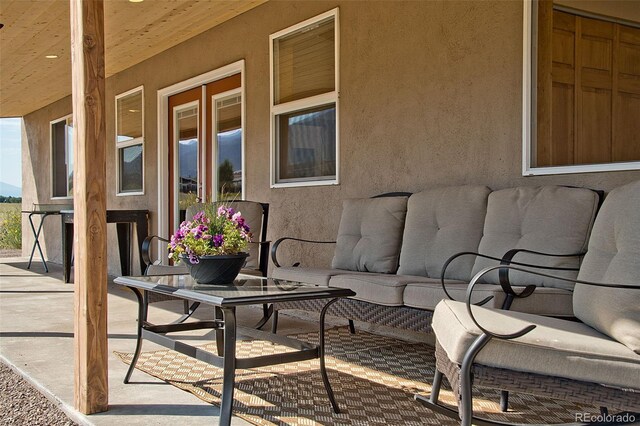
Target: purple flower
[
  {"x": 198, "y": 217},
  {"x": 218, "y": 240}
]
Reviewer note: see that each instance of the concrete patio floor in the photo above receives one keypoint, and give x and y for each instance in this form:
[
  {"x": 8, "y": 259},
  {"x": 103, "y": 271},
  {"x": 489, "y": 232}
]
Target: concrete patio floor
[{"x": 36, "y": 340}]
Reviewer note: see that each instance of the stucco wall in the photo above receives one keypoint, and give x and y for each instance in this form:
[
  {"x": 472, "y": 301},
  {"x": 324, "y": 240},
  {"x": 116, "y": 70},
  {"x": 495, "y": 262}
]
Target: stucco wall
[{"x": 430, "y": 95}]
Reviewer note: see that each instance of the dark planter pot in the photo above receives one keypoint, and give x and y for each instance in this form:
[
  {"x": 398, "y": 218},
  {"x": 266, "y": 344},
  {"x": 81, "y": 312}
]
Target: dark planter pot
[{"x": 218, "y": 270}]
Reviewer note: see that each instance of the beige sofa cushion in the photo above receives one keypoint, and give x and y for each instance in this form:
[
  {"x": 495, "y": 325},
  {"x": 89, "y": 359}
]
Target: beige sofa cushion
[
  {"x": 370, "y": 234},
  {"x": 613, "y": 257},
  {"x": 555, "y": 347},
  {"x": 382, "y": 289},
  {"x": 440, "y": 223},
  {"x": 544, "y": 301},
  {"x": 315, "y": 276},
  {"x": 550, "y": 219}
]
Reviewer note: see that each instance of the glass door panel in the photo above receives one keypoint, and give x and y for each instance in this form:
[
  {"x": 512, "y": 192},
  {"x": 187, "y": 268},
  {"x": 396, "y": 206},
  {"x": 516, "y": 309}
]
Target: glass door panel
[
  {"x": 228, "y": 149},
  {"x": 187, "y": 158}
]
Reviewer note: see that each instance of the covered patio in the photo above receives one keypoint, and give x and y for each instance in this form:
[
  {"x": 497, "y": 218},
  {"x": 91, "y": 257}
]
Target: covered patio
[{"x": 150, "y": 107}]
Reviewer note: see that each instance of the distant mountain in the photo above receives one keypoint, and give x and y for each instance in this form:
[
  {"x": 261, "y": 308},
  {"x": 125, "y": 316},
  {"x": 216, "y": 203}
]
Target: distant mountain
[
  {"x": 9, "y": 190},
  {"x": 230, "y": 148}
]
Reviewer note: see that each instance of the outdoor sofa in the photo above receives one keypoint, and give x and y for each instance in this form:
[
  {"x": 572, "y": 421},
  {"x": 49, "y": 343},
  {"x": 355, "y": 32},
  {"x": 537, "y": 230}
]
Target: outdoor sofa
[{"x": 391, "y": 250}]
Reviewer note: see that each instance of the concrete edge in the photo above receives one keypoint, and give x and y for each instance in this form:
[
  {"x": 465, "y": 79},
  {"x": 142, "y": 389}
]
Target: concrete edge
[{"x": 67, "y": 409}]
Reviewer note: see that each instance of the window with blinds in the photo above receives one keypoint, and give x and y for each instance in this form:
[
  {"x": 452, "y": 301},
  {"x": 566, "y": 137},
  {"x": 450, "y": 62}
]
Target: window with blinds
[{"x": 304, "y": 102}]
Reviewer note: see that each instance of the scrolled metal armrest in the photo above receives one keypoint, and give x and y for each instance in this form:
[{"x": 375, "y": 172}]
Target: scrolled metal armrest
[
  {"x": 274, "y": 249},
  {"x": 146, "y": 248},
  {"x": 503, "y": 273},
  {"x": 507, "y": 259},
  {"x": 454, "y": 257},
  {"x": 530, "y": 327}
]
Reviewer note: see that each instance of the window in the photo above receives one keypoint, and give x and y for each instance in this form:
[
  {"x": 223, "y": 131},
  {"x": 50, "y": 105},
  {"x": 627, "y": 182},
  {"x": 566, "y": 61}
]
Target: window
[
  {"x": 304, "y": 102},
  {"x": 62, "y": 157},
  {"x": 130, "y": 142},
  {"x": 228, "y": 148},
  {"x": 584, "y": 96}
]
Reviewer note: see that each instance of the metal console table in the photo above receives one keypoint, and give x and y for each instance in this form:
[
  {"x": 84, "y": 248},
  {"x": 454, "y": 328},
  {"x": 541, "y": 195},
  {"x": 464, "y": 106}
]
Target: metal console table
[
  {"x": 246, "y": 290},
  {"x": 43, "y": 210},
  {"x": 123, "y": 220}
]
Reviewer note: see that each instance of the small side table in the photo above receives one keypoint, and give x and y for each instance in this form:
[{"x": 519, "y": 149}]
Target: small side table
[{"x": 42, "y": 210}]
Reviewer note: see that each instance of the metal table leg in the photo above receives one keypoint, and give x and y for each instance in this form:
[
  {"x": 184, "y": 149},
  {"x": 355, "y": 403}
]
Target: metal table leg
[
  {"x": 142, "y": 317},
  {"x": 229, "y": 365},
  {"x": 36, "y": 243},
  {"x": 323, "y": 368}
]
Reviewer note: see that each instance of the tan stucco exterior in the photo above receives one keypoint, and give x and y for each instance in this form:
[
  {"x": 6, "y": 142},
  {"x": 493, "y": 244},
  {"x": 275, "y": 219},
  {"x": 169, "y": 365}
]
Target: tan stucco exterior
[{"x": 431, "y": 94}]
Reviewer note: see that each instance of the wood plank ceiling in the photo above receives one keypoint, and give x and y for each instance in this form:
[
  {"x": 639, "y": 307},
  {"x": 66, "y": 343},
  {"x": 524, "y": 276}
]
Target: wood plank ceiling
[{"x": 133, "y": 32}]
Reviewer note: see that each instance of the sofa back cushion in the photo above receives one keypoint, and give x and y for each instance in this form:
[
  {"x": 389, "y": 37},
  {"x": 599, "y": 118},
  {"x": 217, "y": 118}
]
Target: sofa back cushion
[
  {"x": 613, "y": 257},
  {"x": 549, "y": 219},
  {"x": 440, "y": 223},
  {"x": 370, "y": 234}
]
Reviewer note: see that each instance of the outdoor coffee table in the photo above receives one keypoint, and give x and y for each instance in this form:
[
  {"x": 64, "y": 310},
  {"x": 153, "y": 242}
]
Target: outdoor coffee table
[{"x": 246, "y": 290}]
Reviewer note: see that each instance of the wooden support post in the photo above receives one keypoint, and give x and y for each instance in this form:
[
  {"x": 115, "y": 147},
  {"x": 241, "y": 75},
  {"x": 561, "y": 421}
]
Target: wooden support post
[{"x": 90, "y": 221}]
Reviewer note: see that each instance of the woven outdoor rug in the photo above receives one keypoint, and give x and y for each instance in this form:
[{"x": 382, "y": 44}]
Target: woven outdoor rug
[{"x": 373, "y": 377}]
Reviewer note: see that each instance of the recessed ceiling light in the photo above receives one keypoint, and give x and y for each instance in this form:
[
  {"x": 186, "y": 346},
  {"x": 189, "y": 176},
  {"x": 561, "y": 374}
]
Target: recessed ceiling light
[
  {"x": 51, "y": 56},
  {"x": 136, "y": 1}
]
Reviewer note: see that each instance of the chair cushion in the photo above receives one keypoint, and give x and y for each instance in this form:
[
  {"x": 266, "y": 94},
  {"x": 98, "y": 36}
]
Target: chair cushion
[
  {"x": 549, "y": 219},
  {"x": 613, "y": 257},
  {"x": 315, "y": 276},
  {"x": 556, "y": 347},
  {"x": 382, "y": 289},
  {"x": 544, "y": 301},
  {"x": 440, "y": 223},
  {"x": 370, "y": 234}
]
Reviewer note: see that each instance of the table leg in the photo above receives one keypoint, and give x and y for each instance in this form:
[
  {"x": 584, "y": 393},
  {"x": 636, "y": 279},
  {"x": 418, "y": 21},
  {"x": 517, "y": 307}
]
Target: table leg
[
  {"x": 142, "y": 318},
  {"x": 67, "y": 249},
  {"x": 142, "y": 231},
  {"x": 217, "y": 314},
  {"x": 323, "y": 368},
  {"x": 36, "y": 243},
  {"x": 124, "y": 247},
  {"x": 229, "y": 365}
]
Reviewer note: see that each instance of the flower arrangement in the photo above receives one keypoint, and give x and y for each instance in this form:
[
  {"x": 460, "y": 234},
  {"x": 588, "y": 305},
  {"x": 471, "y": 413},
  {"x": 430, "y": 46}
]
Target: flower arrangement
[{"x": 220, "y": 231}]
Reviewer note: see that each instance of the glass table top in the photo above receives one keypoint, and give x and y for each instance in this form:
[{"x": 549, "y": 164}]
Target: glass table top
[{"x": 245, "y": 290}]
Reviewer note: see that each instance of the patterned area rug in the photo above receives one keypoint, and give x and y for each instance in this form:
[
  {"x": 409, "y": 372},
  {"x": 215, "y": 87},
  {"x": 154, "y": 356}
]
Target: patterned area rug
[{"x": 373, "y": 377}]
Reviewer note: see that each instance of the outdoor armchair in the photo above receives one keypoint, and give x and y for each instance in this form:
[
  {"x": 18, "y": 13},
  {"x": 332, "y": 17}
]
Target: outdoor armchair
[
  {"x": 595, "y": 360},
  {"x": 257, "y": 217}
]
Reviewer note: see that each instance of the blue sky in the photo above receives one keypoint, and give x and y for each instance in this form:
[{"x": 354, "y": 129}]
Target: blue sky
[{"x": 10, "y": 157}]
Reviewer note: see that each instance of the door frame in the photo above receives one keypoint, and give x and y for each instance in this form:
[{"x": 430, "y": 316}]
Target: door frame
[{"x": 163, "y": 132}]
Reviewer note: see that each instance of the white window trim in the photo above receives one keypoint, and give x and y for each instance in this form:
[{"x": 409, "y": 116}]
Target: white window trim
[
  {"x": 163, "y": 132},
  {"x": 132, "y": 142},
  {"x": 51, "y": 171},
  {"x": 300, "y": 104},
  {"x": 214, "y": 143},
  {"x": 529, "y": 120}
]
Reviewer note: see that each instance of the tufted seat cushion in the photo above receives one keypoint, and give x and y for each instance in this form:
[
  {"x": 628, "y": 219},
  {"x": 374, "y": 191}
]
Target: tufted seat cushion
[
  {"x": 440, "y": 223},
  {"x": 370, "y": 234},
  {"x": 549, "y": 219},
  {"x": 315, "y": 276},
  {"x": 613, "y": 257},
  {"x": 382, "y": 289}
]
